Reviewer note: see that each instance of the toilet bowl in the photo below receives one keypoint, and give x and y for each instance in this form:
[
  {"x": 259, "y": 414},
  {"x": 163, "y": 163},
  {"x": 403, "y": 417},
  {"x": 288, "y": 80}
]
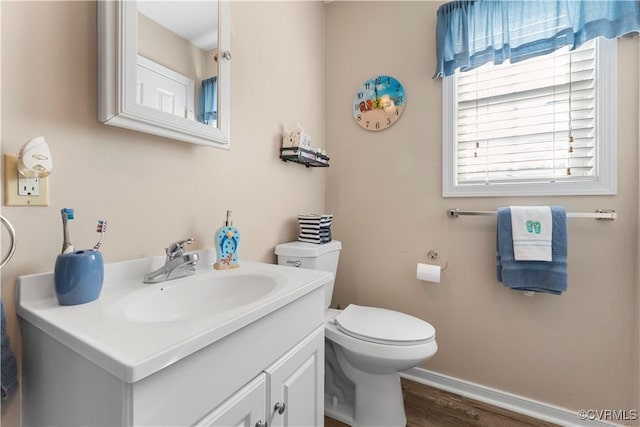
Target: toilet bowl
[
  {"x": 373, "y": 364},
  {"x": 376, "y": 356},
  {"x": 365, "y": 348}
]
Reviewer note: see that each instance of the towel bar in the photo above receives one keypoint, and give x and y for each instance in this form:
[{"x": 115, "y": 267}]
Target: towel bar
[{"x": 603, "y": 214}]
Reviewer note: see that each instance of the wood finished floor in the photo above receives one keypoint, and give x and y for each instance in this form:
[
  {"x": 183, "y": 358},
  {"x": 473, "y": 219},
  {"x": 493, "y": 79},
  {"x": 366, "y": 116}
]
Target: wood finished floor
[{"x": 430, "y": 407}]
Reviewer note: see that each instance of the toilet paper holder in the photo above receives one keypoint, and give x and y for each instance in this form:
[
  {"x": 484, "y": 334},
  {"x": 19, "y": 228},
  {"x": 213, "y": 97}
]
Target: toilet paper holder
[{"x": 433, "y": 255}]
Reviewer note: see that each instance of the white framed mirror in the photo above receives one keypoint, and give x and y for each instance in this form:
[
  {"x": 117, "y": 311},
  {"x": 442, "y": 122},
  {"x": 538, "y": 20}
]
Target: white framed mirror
[{"x": 164, "y": 68}]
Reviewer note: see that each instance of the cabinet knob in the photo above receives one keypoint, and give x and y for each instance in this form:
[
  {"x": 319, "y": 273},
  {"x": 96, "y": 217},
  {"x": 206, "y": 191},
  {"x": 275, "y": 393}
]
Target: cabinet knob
[
  {"x": 261, "y": 423},
  {"x": 280, "y": 407}
]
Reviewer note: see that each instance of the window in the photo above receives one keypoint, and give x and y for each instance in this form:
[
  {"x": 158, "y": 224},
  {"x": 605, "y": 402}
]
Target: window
[{"x": 544, "y": 126}]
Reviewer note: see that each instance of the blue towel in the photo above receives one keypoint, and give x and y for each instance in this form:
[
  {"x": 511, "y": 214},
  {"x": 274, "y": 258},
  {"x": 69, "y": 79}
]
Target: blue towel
[
  {"x": 8, "y": 368},
  {"x": 536, "y": 276}
]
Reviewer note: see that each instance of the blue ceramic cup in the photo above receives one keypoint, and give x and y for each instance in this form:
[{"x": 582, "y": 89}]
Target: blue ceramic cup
[{"x": 78, "y": 277}]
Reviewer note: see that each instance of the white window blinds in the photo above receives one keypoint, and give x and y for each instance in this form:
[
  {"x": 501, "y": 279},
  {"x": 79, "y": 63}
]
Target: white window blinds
[{"x": 528, "y": 122}]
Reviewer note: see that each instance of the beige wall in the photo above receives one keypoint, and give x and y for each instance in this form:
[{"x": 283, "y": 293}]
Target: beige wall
[
  {"x": 578, "y": 350},
  {"x": 154, "y": 190}
]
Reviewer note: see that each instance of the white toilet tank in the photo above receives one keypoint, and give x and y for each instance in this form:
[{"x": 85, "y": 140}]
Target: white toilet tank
[{"x": 315, "y": 257}]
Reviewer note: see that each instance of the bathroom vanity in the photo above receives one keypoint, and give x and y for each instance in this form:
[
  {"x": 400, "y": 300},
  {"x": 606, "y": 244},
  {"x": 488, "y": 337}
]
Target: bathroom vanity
[{"x": 233, "y": 347}]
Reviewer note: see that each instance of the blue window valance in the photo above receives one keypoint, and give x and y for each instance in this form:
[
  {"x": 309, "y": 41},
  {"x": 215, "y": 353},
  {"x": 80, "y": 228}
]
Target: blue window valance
[
  {"x": 475, "y": 32},
  {"x": 208, "y": 110}
]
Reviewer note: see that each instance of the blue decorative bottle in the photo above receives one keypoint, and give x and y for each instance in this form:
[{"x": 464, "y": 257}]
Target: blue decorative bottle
[{"x": 226, "y": 242}]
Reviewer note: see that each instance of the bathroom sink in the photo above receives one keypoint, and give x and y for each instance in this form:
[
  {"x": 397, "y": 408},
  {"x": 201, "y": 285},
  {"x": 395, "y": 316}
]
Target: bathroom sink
[
  {"x": 193, "y": 297},
  {"x": 135, "y": 329}
]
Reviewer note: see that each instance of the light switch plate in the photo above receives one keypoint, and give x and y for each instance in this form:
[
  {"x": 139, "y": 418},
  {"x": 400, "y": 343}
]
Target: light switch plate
[{"x": 11, "y": 196}]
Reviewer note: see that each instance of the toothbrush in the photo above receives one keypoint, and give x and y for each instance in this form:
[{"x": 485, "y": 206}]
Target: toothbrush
[
  {"x": 67, "y": 214},
  {"x": 102, "y": 228}
]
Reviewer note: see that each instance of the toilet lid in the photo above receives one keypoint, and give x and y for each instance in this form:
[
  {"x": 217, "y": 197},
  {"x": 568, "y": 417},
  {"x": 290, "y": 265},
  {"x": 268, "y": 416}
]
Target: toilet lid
[{"x": 383, "y": 326}]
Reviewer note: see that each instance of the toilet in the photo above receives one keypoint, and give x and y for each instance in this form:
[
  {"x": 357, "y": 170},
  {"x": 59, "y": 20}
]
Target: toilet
[{"x": 365, "y": 347}]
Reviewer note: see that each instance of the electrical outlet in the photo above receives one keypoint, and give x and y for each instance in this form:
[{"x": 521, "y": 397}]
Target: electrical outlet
[
  {"x": 28, "y": 186},
  {"x": 23, "y": 191}
]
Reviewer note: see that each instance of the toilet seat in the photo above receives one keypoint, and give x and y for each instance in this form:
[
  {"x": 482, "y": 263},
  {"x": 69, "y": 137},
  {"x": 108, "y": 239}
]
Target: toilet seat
[{"x": 382, "y": 326}]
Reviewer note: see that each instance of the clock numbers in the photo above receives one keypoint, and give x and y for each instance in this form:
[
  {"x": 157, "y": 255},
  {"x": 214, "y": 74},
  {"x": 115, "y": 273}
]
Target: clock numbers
[{"x": 378, "y": 103}]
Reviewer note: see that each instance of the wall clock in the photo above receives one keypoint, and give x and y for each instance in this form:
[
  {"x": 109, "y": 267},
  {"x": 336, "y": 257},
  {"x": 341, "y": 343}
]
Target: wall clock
[{"x": 378, "y": 103}]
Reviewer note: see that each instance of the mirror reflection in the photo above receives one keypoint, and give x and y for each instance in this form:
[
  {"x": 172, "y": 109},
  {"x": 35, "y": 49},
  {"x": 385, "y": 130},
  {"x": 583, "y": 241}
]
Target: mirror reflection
[{"x": 177, "y": 69}]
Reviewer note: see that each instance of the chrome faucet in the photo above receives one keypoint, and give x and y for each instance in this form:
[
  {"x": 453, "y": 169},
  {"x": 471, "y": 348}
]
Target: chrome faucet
[{"x": 177, "y": 264}]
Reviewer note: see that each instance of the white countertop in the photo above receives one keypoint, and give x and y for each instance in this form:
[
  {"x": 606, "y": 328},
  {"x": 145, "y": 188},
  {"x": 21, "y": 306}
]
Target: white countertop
[{"x": 132, "y": 350}]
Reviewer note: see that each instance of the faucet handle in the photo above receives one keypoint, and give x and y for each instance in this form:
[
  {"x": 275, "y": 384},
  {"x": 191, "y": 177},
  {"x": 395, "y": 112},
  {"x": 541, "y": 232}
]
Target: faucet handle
[{"x": 177, "y": 248}]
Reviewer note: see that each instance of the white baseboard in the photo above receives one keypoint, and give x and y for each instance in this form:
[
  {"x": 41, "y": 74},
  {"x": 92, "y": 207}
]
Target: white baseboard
[{"x": 501, "y": 399}]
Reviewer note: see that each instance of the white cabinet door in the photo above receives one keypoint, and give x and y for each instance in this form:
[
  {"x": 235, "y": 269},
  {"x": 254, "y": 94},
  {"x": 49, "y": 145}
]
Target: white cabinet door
[
  {"x": 246, "y": 408},
  {"x": 296, "y": 384}
]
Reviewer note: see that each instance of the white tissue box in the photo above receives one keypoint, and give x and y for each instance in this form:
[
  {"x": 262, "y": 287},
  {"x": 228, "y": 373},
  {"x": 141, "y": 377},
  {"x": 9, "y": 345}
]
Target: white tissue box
[{"x": 296, "y": 139}]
